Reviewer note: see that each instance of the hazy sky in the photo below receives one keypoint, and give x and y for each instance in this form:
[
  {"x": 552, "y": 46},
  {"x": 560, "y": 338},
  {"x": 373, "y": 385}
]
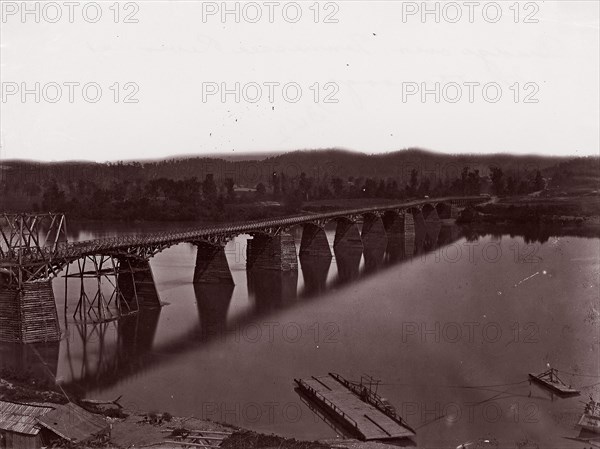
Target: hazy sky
[{"x": 373, "y": 59}]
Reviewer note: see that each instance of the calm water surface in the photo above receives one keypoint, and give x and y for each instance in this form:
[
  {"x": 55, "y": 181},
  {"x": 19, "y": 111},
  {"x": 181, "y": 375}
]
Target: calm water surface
[{"x": 452, "y": 334}]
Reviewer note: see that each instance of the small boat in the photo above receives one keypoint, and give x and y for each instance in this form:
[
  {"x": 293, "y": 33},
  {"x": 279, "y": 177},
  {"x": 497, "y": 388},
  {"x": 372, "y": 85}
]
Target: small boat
[
  {"x": 550, "y": 380},
  {"x": 101, "y": 402},
  {"x": 590, "y": 419}
]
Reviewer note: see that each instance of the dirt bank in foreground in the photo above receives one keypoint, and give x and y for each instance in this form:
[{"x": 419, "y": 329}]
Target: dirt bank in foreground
[{"x": 135, "y": 429}]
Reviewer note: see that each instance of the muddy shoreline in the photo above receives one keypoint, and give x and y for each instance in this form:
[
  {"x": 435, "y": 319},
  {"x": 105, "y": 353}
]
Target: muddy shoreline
[{"x": 148, "y": 429}]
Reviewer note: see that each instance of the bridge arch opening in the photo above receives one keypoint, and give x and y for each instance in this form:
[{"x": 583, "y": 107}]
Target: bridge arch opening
[
  {"x": 444, "y": 210},
  {"x": 429, "y": 212}
]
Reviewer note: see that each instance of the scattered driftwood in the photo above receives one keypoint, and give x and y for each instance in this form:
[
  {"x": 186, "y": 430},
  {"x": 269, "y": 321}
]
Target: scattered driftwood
[
  {"x": 253, "y": 440},
  {"x": 196, "y": 438}
]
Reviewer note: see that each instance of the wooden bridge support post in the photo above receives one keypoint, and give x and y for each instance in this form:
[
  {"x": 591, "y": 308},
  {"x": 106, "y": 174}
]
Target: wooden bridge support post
[
  {"x": 29, "y": 314},
  {"x": 136, "y": 283},
  {"x": 276, "y": 252},
  {"x": 211, "y": 265},
  {"x": 314, "y": 242},
  {"x": 347, "y": 236}
]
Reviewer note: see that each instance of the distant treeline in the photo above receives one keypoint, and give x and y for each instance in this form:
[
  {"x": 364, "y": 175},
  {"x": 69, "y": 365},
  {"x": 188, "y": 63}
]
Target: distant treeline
[
  {"x": 317, "y": 164},
  {"x": 207, "y": 199}
]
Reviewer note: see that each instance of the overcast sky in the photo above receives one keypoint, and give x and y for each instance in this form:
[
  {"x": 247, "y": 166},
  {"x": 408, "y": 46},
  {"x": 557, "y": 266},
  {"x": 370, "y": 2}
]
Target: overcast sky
[{"x": 525, "y": 87}]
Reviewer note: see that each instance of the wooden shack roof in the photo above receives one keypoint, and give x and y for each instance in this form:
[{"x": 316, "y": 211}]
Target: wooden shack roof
[
  {"x": 73, "y": 423},
  {"x": 21, "y": 418}
]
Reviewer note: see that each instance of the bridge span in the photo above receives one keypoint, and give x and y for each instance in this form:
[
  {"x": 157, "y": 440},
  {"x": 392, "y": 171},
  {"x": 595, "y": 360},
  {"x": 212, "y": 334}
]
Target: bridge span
[{"x": 34, "y": 249}]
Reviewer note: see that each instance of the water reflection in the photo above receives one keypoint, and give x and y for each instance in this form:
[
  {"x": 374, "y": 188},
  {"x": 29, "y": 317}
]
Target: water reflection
[
  {"x": 315, "y": 271},
  {"x": 213, "y": 302},
  {"x": 39, "y": 361},
  {"x": 101, "y": 354},
  {"x": 270, "y": 290},
  {"x": 432, "y": 232},
  {"x": 348, "y": 264},
  {"x": 105, "y": 355}
]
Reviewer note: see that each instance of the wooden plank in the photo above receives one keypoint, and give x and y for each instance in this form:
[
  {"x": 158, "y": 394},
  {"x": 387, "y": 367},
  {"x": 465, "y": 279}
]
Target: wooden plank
[
  {"x": 171, "y": 429},
  {"x": 371, "y": 422},
  {"x": 187, "y": 443}
]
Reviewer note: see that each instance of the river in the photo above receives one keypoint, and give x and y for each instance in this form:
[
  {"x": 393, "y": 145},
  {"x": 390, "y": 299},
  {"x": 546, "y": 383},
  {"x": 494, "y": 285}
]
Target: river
[{"x": 451, "y": 333}]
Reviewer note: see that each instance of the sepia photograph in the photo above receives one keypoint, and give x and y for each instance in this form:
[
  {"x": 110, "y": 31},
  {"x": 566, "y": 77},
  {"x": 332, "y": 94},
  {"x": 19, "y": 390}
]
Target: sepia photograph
[{"x": 312, "y": 224}]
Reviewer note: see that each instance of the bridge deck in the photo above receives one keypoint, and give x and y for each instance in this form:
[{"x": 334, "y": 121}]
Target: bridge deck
[
  {"x": 74, "y": 250},
  {"x": 372, "y": 423}
]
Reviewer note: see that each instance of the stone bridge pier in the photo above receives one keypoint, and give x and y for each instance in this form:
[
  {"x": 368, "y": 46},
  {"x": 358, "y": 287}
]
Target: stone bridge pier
[
  {"x": 373, "y": 231},
  {"x": 275, "y": 251},
  {"x": 430, "y": 213},
  {"x": 347, "y": 236},
  {"x": 400, "y": 229},
  {"x": 136, "y": 283},
  {"x": 314, "y": 241},
  {"x": 211, "y": 264}
]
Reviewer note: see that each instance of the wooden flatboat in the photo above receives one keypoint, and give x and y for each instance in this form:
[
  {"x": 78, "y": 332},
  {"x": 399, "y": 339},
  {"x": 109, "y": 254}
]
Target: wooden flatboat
[
  {"x": 550, "y": 380},
  {"x": 356, "y": 406}
]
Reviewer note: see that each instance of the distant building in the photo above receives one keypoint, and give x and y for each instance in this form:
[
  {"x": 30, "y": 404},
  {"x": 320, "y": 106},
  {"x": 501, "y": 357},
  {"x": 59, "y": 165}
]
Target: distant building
[{"x": 240, "y": 189}]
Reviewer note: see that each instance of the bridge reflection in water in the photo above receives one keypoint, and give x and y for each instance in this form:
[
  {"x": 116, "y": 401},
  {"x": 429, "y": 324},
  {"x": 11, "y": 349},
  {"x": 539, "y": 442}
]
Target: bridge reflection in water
[
  {"x": 34, "y": 249},
  {"x": 100, "y": 355}
]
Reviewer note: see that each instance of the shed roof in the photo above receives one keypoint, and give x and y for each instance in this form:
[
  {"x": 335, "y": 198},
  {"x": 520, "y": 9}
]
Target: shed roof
[
  {"x": 73, "y": 423},
  {"x": 21, "y": 418}
]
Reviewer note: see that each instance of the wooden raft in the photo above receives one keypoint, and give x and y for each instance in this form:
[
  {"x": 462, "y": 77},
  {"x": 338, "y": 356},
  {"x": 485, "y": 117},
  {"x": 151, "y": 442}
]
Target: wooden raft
[
  {"x": 550, "y": 380},
  {"x": 366, "y": 420}
]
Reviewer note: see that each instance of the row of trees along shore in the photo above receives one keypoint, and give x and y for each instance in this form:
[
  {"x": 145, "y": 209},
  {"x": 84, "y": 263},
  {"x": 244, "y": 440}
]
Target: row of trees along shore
[{"x": 213, "y": 200}]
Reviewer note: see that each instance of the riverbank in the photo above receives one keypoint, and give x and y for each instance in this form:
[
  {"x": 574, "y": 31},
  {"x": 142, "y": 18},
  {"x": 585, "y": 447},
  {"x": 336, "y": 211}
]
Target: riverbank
[
  {"x": 148, "y": 429},
  {"x": 579, "y": 215}
]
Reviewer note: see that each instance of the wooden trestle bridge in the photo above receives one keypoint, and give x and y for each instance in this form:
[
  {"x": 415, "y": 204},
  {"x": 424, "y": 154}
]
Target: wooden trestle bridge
[{"x": 34, "y": 249}]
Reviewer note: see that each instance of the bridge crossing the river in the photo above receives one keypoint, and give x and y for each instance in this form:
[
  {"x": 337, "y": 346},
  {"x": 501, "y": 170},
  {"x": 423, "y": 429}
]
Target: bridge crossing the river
[{"x": 34, "y": 249}]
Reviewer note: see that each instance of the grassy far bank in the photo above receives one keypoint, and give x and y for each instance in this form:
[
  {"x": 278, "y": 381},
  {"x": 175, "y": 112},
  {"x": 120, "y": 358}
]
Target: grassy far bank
[{"x": 565, "y": 210}]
